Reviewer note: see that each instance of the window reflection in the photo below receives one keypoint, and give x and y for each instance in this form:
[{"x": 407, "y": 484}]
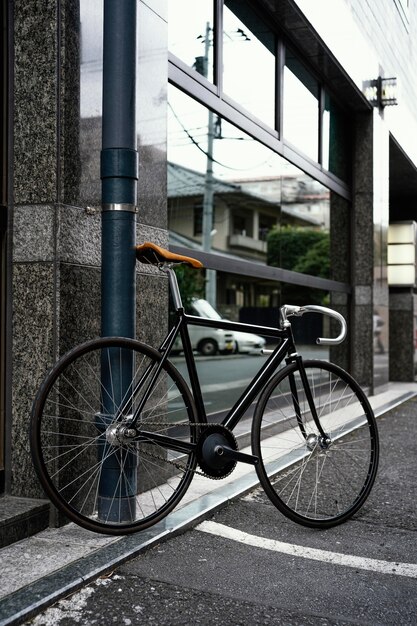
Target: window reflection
[
  {"x": 190, "y": 33},
  {"x": 225, "y": 383},
  {"x": 249, "y": 61},
  {"x": 301, "y": 107},
  {"x": 247, "y": 53},
  {"x": 336, "y": 140},
  {"x": 91, "y": 77},
  {"x": 264, "y": 209},
  {"x": 91, "y": 19}
]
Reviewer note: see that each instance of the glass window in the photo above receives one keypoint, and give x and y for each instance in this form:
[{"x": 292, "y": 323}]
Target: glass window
[
  {"x": 253, "y": 302},
  {"x": 301, "y": 107},
  {"x": 198, "y": 220},
  {"x": 249, "y": 61},
  {"x": 336, "y": 155},
  {"x": 91, "y": 18},
  {"x": 91, "y": 79},
  {"x": 263, "y": 208},
  {"x": 190, "y": 34}
]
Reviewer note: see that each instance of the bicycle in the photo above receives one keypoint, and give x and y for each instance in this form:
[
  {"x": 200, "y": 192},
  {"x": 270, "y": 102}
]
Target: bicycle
[{"x": 117, "y": 434}]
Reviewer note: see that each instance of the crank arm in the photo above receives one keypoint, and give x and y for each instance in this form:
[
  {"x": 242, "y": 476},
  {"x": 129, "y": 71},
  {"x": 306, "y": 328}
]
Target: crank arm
[{"x": 235, "y": 455}]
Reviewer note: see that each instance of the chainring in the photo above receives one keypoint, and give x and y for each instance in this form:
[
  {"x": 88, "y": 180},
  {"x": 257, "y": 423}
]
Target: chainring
[{"x": 212, "y": 464}]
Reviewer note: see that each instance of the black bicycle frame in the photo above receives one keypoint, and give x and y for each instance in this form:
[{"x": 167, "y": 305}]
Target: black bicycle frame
[
  {"x": 286, "y": 345},
  {"x": 285, "y": 349}
]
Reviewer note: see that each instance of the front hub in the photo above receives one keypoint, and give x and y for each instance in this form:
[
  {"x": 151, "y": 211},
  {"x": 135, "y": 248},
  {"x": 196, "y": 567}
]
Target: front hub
[{"x": 317, "y": 442}]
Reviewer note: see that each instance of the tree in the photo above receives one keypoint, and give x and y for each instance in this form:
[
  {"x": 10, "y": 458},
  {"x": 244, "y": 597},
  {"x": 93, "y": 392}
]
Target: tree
[
  {"x": 191, "y": 284},
  {"x": 316, "y": 261},
  {"x": 301, "y": 250}
]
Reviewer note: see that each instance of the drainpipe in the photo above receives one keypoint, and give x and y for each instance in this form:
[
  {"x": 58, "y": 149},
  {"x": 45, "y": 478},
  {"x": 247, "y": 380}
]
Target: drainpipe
[{"x": 119, "y": 173}]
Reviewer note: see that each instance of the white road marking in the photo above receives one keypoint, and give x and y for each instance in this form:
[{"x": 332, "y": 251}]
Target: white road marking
[{"x": 348, "y": 560}]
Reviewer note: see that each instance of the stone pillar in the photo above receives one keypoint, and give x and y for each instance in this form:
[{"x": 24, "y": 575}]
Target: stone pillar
[
  {"x": 369, "y": 245},
  {"x": 56, "y": 233},
  {"x": 340, "y": 263},
  {"x": 403, "y": 309},
  {"x": 362, "y": 252},
  {"x": 380, "y": 313},
  {"x": 35, "y": 194}
]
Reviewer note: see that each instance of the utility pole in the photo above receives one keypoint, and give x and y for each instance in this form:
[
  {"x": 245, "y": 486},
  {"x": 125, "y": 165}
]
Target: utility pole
[
  {"x": 119, "y": 173},
  {"x": 208, "y": 204}
]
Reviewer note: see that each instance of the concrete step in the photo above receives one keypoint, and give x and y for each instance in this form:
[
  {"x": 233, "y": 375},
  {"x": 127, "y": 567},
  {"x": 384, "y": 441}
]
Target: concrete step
[{"x": 21, "y": 518}]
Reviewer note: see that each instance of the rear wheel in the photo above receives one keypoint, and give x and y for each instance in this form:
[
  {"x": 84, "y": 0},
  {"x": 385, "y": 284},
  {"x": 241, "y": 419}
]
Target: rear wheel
[
  {"x": 315, "y": 480},
  {"x": 90, "y": 463}
]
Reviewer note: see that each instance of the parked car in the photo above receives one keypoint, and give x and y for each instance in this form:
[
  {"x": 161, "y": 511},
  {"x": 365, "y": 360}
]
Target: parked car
[
  {"x": 247, "y": 342},
  {"x": 207, "y": 341},
  {"x": 210, "y": 341}
]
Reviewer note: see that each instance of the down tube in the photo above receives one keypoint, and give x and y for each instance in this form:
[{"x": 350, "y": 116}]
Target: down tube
[{"x": 256, "y": 385}]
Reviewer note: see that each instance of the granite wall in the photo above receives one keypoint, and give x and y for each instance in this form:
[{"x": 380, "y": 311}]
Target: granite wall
[
  {"x": 340, "y": 263},
  {"x": 369, "y": 233},
  {"x": 56, "y": 219},
  {"x": 362, "y": 252}
]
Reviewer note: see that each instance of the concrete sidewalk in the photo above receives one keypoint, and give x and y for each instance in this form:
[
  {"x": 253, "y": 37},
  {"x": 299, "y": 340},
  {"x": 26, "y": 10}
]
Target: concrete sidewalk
[{"x": 37, "y": 571}]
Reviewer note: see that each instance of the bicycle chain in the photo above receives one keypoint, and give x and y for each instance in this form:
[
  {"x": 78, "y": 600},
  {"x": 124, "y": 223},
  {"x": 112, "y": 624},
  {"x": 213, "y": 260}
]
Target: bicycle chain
[{"x": 178, "y": 465}]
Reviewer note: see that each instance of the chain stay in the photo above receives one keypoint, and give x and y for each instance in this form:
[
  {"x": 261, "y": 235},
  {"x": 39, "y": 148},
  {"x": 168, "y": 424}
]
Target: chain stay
[{"x": 177, "y": 465}]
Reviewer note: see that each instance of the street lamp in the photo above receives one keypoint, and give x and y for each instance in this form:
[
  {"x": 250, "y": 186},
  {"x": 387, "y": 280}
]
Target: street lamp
[{"x": 381, "y": 92}]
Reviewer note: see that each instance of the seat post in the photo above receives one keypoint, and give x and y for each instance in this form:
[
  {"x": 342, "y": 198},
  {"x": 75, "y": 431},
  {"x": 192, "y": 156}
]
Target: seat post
[{"x": 175, "y": 291}]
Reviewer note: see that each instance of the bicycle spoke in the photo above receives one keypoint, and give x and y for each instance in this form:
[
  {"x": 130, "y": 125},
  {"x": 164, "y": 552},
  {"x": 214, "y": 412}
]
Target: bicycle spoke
[
  {"x": 88, "y": 465},
  {"x": 315, "y": 479}
]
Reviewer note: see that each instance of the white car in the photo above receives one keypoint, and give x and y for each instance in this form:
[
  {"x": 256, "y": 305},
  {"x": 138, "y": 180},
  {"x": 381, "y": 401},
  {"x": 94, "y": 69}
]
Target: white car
[
  {"x": 247, "y": 342},
  {"x": 207, "y": 341}
]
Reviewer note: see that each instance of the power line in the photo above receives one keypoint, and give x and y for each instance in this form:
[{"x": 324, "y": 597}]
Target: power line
[
  {"x": 197, "y": 145},
  {"x": 209, "y": 156}
]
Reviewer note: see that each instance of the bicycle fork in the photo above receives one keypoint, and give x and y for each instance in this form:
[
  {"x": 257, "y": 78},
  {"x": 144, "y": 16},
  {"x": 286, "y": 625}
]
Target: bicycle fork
[{"x": 312, "y": 440}]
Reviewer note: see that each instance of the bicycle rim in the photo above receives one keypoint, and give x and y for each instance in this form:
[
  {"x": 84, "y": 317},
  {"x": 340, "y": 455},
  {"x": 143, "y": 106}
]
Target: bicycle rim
[
  {"x": 88, "y": 466},
  {"x": 314, "y": 480}
]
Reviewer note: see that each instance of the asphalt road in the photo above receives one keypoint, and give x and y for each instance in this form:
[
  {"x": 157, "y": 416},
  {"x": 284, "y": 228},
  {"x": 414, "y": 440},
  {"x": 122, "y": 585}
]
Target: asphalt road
[{"x": 363, "y": 572}]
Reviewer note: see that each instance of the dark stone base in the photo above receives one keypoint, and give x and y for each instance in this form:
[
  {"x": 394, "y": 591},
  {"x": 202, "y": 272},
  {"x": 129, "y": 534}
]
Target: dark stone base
[{"x": 21, "y": 518}]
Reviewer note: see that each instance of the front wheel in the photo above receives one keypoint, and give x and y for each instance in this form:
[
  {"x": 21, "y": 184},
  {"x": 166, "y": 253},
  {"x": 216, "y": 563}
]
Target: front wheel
[
  {"x": 317, "y": 479},
  {"x": 94, "y": 467}
]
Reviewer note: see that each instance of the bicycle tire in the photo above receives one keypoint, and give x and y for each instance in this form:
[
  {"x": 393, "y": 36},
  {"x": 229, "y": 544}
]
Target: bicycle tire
[
  {"x": 314, "y": 483},
  {"x": 95, "y": 476}
]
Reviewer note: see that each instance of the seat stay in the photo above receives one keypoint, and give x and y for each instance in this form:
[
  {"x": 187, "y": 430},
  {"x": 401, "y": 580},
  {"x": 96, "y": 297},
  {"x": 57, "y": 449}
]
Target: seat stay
[
  {"x": 153, "y": 371},
  {"x": 192, "y": 370}
]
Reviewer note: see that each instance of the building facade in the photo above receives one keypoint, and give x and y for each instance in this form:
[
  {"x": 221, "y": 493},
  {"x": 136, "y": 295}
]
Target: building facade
[{"x": 257, "y": 120}]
